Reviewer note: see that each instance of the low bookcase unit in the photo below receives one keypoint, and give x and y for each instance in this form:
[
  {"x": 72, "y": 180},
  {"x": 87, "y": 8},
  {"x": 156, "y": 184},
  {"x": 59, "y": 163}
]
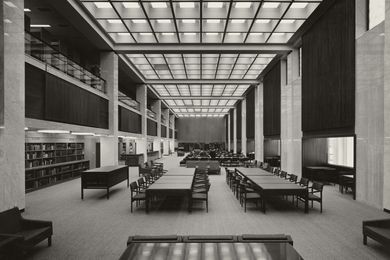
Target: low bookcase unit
[{"x": 51, "y": 163}]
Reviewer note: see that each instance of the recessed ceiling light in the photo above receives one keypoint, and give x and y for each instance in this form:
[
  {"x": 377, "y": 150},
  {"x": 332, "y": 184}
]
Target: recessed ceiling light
[
  {"x": 263, "y": 21},
  {"x": 234, "y": 33},
  {"x": 214, "y": 4},
  {"x": 189, "y": 33},
  {"x": 114, "y": 21},
  {"x": 123, "y": 34},
  {"x": 298, "y": 5},
  {"x": 27, "y": 10},
  {"x": 145, "y": 33},
  {"x": 46, "y": 131},
  {"x": 102, "y": 5},
  {"x": 187, "y": 5},
  {"x": 238, "y": 21},
  {"x": 164, "y": 21},
  {"x": 256, "y": 33},
  {"x": 139, "y": 21},
  {"x": 270, "y": 5},
  {"x": 158, "y": 4},
  {"x": 167, "y": 33},
  {"x": 243, "y": 5},
  {"x": 287, "y": 21},
  {"x": 40, "y": 25},
  {"x": 130, "y": 5},
  {"x": 212, "y": 33},
  {"x": 213, "y": 21},
  {"x": 188, "y": 21},
  {"x": 279, "y": 34}
]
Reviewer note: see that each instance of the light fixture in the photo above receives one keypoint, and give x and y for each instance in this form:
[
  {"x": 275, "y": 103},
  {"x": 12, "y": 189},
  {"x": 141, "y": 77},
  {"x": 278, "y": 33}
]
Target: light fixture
[
  {"x": 188, "y": 21},
  {"x": 298, "y": 5},
  {"x": 40, "y": 26},
  {"x": 114, "y": 21},
  {"x": 145, "y": 33},
  {"x": 167, "y": 33},
  {"x": 187, "y": 5},
  {"x": 102, "y": 5},
  {"x": 214, "y": 5},
  {"x": 270, "y": 5},
  {"x": 158, "y": 4},
  {"x": 27, "y": 10},
  {"x": 139, "y": 21},
  {"x": 131, "y": 5},
  {"x": 123, "y": 34},
  {"x": 263, "y": 21},
  {"x": 287, "y": 21},
  {"x": 279, "y": 33},
  {"x": 82, "y": 133},
  {"x": 212, "y": 33},
  {"x": 213, "y": 21},
  {"x": 243, "y": 5},
  {"x": 163, "y": 21},
  {"x": 47, "y": 131},
  {"x": 238, "y": 21},
  {"x": 256, "y": 33},
  {"x": 234, "y": 33},
  {"x": 189, "y": 33}
]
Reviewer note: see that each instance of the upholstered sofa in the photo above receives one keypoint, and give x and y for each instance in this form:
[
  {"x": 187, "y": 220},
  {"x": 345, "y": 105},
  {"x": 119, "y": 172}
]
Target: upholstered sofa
[
  {"x": 27, "y": 232},
  {"x": 378, "y": 230}
]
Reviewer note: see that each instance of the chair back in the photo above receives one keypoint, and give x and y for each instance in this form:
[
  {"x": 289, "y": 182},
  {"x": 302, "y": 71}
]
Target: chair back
[
  {"x": 317, "y": 186},
  {"x": 304, "y": 182},
  {"x": 10, "y": 221},
  {"x": 293, "y": 178}
]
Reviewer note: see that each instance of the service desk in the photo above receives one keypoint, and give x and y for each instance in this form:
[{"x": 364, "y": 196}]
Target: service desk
[{"x": 104, "y": 178}]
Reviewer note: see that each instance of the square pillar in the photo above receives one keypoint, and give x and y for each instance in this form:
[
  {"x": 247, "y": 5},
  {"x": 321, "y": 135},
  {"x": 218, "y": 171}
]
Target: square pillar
[
  {"x": 259, "y": 128},
  {"x": 12, "y": 102},
  {"x": 235, "y": 130},
  {"x": 229, "y": 134},
  {"x": 142, "y": 142},
  {"x": 157, "y": 106},
  {"x": 243, "y": 127}
]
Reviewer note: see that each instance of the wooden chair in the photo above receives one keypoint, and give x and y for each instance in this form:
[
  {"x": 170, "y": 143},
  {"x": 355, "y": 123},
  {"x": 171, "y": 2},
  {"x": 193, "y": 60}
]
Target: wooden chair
[
  {"x": 315, "y": 194},
  {"x": 201, "y": 193},
  {"x": 249, "y": 195},
  {"x": 135, "y": 194}
]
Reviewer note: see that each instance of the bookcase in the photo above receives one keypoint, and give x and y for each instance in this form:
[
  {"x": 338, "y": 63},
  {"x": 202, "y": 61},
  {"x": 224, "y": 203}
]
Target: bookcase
[{"x": 51, "y": 163}]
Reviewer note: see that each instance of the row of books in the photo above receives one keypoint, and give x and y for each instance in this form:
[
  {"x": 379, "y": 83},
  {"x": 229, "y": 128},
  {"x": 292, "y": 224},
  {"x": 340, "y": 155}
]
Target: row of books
[
  {"x": 53, "y": 146},
  {"x": 50, "y": 161},
  {"x": 32, "y": 175}
]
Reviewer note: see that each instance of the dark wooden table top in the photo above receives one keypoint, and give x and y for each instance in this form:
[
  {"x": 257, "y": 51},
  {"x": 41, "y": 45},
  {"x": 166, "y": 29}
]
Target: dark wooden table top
[
  {"x": 107, "y": 169},
  {"x": 323, "y": 168},
  {"x": 254, "y": 172},
  {"x": 206, "y": 251},
  {"x": 169, "y": 186}
]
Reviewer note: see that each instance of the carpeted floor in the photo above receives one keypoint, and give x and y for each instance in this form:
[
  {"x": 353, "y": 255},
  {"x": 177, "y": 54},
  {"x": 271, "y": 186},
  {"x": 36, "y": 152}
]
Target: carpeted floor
[{"x": 96, "y": 228}]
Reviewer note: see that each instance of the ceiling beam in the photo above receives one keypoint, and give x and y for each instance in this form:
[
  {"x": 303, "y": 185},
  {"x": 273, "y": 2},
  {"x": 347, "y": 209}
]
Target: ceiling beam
[
  {"x": 166, "y": 48},
  {"x": 201, "y": 113},
  {"x": 200, "y": 106},
  {"x": 201, "y": 97},
  {"x": 201, "y": 81}
]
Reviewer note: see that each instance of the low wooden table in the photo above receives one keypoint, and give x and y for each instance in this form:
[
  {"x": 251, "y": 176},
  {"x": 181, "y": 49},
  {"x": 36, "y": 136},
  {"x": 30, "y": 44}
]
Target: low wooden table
[
  {"x": 104, "y": 178},
  {"x": 205, "y": 251}
]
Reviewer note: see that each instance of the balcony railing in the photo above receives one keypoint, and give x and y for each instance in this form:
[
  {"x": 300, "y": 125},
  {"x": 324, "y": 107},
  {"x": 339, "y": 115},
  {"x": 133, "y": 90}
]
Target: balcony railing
[
  {"x": 151, "y": 114},
  {"x": 128, "y": 101},
  {"x": 52, "y": 57}
]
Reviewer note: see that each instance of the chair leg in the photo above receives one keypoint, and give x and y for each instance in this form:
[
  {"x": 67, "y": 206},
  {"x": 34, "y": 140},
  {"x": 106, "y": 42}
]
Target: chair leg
[{"x": 49, "y": 241}]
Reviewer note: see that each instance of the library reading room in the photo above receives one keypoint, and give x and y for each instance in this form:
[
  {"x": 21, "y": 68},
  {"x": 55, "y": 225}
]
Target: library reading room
[{"x": 194, "y": 129}]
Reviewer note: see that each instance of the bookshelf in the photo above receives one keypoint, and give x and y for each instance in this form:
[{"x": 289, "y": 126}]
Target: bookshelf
[{"x": 51, "y": 163}]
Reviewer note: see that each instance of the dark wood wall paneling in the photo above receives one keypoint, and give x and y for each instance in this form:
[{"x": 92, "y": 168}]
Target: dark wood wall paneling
[
  {"x": 163, "y": 131},
  {"x": 201, "y": 130},
  {"x": 239, "y": 121},
  {"x": 67, "y": 103},
  {"x": 226, "y": 128},
  {"x": 271, "y": 147},
  {"x": 50, "y": 98},
  {"x": 271, "y": 90},
  {"x": 151, "y": 127},
  {"x": 250, "y": 114},
  {"x": 231, "y": 112},
  {"x": 129, "y": 121},
  {"x": 328, "y": 73},
  {"x": 314, "y": 152}
]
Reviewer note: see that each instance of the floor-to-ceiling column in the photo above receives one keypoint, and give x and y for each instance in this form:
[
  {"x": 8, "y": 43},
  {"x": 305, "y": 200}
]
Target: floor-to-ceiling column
[
  {"x": 166, "y": 140},
  {"x": 158, "y": 114},
  {"x": 109, "y": 144},
  {"x": 259, "y": 136},
  {"x": 291, "y": 110},
  {"x": 12, "y": 176},
  {"x": 243, "y": 127},
  {"x": 172, "y": 140},
  {"x": 141, "y": 143},
  {"x": 229, "y": 121},
  {"x": 235, "y": 130}
]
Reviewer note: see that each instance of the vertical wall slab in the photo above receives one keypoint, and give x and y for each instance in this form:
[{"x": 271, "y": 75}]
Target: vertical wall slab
[
  {"x": 259, "y": 130},
  {"x": 243, "y": 127},
  {"x": 12, "y": 176},
  {"x": 142, "y": 99},
  {"x": 109, "y": 145},
  {"x": 291, "y": 116},
  {"x": 386, "y": 177},
  {"x": 370, "y": 117},
  {"x": 235, "y": 130}
]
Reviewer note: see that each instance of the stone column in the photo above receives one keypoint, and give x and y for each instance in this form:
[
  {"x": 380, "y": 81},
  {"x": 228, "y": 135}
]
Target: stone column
[
  {"x": 259, "y": 130},
  {"x": 229, "y": 134},
  {"x": 158, "y": 114},
  {"x": 243, "y": 127},
  {"x": 235, "y": 130},
  {"x": 109, "y": 145},
  {"x": 12, "y": 78},
  {"x": 166, "y": 140},
  {"x": 142, "y": 99},
  {"x": 172, "y": 140}
]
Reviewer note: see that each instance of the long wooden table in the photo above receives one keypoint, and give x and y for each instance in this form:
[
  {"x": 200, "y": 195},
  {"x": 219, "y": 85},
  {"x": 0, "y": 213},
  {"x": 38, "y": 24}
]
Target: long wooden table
[
  {"x": 176, "y": 182},
  {"x": 205, "y": 251},
  {"x": 270, "y": 185},
  {"x": 104, "y": 178}
]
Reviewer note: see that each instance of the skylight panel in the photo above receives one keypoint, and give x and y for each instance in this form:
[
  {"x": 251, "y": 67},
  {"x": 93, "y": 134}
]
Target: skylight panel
[
  {"x": 114, "y": 21},
  {"x": 214, "y": 4},
  {"x": 187, "y": 5},
  {"x": 196, "y": 102},
  {"x": 298, "y": 5},
  {"x": 243, "y": 5},
  {"x": 158, "y": 5},
  {"x": 271, "y": 5},
  {"x": 133, "y": 5},
  {"x": 103, "y": 5}
]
